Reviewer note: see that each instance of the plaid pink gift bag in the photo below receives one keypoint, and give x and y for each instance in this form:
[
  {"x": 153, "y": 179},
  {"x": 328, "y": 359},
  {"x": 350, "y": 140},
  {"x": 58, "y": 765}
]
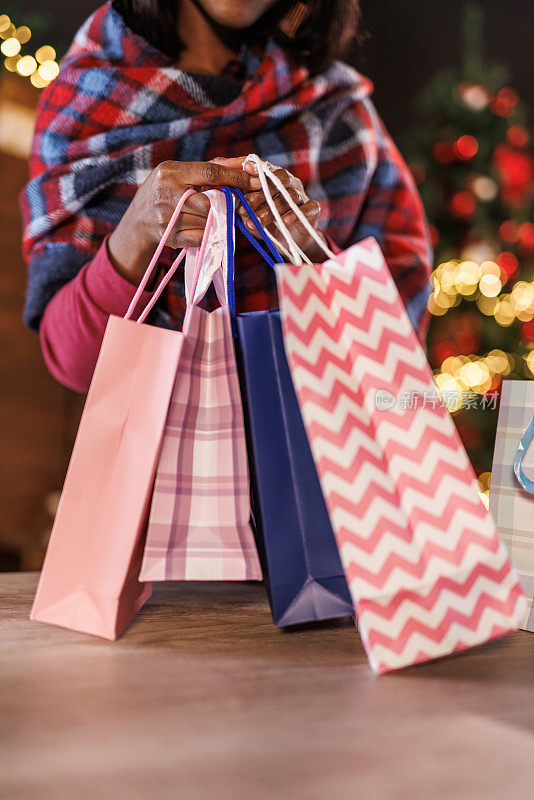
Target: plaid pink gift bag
[
  {"x": 511, "y": 504},
  {"x": 199, "y": 526}
]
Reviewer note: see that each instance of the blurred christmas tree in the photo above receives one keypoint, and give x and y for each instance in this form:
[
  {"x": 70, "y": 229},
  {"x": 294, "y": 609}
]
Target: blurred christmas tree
[{"x": 471, "y": 159}]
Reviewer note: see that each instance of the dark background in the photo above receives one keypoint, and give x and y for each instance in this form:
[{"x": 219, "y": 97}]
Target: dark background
[{"x": 408, "y": 41}]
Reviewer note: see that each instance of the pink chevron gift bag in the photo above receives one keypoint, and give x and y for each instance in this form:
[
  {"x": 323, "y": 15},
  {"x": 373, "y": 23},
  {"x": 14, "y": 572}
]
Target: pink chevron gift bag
[
  {"x": 199, "y": 526},
  {"x": 427, "y": 572}
]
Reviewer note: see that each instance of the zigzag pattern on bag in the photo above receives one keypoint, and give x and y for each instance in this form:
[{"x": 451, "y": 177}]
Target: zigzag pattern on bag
[{"x": 426, "y": 570}]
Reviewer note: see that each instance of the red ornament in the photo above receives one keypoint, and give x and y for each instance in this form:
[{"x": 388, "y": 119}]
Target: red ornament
[
  {"x": 509, "y": 231},
  {"x": 466, "y": 147},
  {"x": 434, "y": 235},
  {"x": 463, "y": 204},
  {"x": 504, "y": 102},
  {"x": 418, "y": 172},
  {"x": 517, "y": 136},
  {"x": 445, "y": 350},
  {"x": 516, "y": 170},
  {"x": 444, "y": 152},
  {"x": 467, "y": 341},
  {"x": 527, "y": 331},
  {"x": 470, "y": 436},
  {"x": 526, "y": 235},
  {"x": 508, "y": 263}
]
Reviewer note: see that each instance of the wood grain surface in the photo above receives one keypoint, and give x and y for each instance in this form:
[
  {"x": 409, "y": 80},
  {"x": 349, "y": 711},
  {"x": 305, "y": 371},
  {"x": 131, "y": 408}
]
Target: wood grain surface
[{"x": 203, "y": 698}]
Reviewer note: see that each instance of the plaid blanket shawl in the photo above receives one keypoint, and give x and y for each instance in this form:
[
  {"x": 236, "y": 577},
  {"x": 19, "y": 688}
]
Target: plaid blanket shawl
[{"x": 119, "y": 107}]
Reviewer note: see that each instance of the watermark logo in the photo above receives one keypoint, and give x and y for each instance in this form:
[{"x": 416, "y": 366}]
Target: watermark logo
[
  {"x": 452, "y": 401},
  {"x": 384, "y": 399}
]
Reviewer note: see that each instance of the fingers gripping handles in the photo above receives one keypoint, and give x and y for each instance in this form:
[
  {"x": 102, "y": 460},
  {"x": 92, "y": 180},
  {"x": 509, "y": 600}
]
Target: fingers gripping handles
[
  {"x": 265, "y": 176},
  {"x": 231, "y": 220},
  {"x": 176, "y": 263},
  {"x": 295, "y": 254}
]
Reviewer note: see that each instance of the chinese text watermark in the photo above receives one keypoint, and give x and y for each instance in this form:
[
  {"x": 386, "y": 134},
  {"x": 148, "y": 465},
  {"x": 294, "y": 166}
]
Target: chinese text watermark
[{"x": 452, "y": 401}]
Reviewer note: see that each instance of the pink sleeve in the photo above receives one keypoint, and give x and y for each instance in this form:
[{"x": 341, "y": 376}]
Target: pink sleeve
[{"x": 75, "y": 319}]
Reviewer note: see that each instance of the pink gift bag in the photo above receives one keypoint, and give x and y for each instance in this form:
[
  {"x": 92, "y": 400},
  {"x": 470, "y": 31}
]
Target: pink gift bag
[
  {"x": 199, "y": 526},
  {"x": 90, "y": 577},
  {"x": 427, "y": 572}
]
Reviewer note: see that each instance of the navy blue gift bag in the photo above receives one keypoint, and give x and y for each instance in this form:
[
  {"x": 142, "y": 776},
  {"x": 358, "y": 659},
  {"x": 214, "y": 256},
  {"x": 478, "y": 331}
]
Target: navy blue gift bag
[{"x": 303, "y": 573}]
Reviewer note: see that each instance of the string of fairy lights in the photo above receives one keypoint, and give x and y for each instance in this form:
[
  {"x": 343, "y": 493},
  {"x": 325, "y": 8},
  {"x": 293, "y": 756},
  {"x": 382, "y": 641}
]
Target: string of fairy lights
[
  {"x": 40, "y": 68},
  {"x": 457, "y": 280}
]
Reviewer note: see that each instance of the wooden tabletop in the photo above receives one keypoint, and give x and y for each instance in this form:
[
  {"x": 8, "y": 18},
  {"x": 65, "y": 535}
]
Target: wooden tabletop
[{"x": 202, "y": 698}]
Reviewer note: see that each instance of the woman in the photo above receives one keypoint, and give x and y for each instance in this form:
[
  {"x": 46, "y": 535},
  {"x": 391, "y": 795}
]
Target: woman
[{"x": 156, "y": 96}]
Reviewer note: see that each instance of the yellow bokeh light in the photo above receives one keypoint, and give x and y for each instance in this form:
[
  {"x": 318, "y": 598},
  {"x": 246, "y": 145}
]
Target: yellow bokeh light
[
  {"x": 10, "y": 47},
  {"x": 487, "y": 305},
  {"x": 474, "y": 374},
  {"x": 445, "y": 381},
  {"x": 466, "y": 289},
  {"x": 490, "y": 268},
  {"x": 5, "y": 22},
  {"x": 45, "y": 53},
  {"x": 530, "y": 361},
  {"x": 448, "y": 281},
  {"x": 490, "y": 285},
  {"x": 504, "y": 313},
  {"x": 450, "y": 390},
  {"x": 436, "y": 311},
  {"x": 469, "y": 272},
  {"x": 23, "y": 34},
  {"x": 453, "y": 364},
  {"x": 8, "y": 30},
  {"x": 484, "y": 480},
  {"x": 26, "y": 65},
  {"x": 48, "y": 70},
  {"x": 498, "y": 362},
  {"x": 522, "y": 299},
  {"x": 443, "y": 300},
  {"x": 37, "y": 81},
  {"x": 11, "y": 63}
]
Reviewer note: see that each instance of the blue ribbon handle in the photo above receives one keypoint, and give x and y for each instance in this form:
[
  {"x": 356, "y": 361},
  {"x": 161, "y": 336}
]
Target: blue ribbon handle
[
  {"x": 231, "y": 220},
  {"x": 526, "y": 439},
  {"x": 230, "y": 246}
]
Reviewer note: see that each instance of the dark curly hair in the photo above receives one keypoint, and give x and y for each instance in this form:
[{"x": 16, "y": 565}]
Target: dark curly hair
[{"x": 326, "y": 33}]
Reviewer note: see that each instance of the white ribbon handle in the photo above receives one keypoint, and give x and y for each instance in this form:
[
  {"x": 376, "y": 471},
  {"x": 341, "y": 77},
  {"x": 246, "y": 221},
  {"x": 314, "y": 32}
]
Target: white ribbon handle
[
  {"x": 198, "y": 258},
  {"x": 214, "y": 267},
  {"x": 264, "y": 173}
]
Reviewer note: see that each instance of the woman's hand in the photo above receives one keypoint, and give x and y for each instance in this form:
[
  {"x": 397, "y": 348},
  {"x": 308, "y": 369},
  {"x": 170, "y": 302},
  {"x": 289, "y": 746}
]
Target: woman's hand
[
  {"x": 132, "y": 243},
  {"x": 258, "y": 203}
]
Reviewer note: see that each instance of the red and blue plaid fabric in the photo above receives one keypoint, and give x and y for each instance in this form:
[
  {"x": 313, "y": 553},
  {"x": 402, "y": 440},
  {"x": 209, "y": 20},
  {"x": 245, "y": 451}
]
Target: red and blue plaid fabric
[{"x": 119, "y": 107}]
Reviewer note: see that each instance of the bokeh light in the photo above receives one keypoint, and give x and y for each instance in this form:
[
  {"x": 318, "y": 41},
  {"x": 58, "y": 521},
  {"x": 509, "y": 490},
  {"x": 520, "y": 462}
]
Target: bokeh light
[
  {"x": 10, "y": 47},
  {"x": 48, "y": 70},
  {"x": 45, "y": 53},
  {"x": 26, "y": 65}
]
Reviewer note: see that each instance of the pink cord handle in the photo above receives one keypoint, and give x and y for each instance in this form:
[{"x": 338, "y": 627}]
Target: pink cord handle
[
  {"x": 198, "y": 266},
  {"x": 155, "y": 257}
]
